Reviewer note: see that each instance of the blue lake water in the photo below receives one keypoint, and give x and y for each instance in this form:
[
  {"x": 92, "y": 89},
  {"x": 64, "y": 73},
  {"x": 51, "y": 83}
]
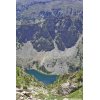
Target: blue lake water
[{"x": 46, "y": 79}]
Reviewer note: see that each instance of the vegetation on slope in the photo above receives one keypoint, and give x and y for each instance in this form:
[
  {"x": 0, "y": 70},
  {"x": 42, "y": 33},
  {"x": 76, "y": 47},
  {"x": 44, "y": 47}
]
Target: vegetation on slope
[
  {"x": 50, "y": 92},
  {"x": 24, "y": 80}
]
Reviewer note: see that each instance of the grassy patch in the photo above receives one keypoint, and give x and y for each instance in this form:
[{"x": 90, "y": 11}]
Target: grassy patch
[
  {"x": 25, "y": 80},
  {"x": 77, "y": 94}
]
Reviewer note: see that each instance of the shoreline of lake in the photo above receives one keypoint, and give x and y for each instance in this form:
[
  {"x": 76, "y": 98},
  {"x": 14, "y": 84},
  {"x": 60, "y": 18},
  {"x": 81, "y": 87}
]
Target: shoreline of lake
[{"x": 44, "y": 78}]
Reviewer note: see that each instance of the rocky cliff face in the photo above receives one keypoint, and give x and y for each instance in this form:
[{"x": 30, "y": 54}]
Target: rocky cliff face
[{"x": 50, "y": 33}]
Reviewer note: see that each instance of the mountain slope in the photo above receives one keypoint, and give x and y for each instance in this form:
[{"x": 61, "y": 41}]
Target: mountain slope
[{"x": 50, "y": 33}]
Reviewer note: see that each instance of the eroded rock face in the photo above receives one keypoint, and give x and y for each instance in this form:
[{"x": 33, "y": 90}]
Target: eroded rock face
[
  {"x": 50, "y": 33},
  {"x": 73, "y": 83},
  {"x": 55, "y": 20},
  {"x": 67, "y": 88}
]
